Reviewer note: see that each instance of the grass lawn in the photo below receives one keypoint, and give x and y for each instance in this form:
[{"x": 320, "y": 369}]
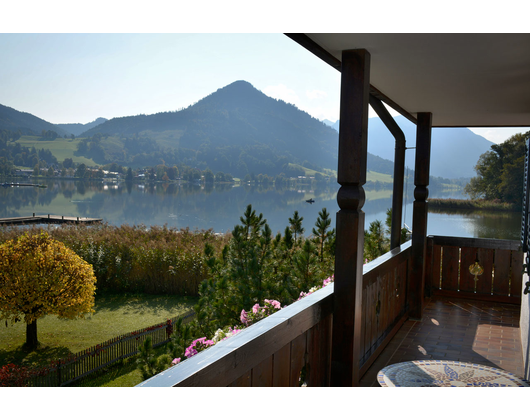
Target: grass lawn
[
  {"x": 61, "y": 148},
  {"x": 115, "y": 315}
]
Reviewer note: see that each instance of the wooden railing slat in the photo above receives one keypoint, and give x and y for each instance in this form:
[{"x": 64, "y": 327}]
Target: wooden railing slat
[
  {"x": 516, "y": 281},
  {"x": 298, "y": 351},
  {"x": 501, "y": 273},
  {"x": 450, "y": 257},
  {"x": 262, "y": 373},
  {"x": 467, "y": 258},
  {"x": 282, "y": 361}
]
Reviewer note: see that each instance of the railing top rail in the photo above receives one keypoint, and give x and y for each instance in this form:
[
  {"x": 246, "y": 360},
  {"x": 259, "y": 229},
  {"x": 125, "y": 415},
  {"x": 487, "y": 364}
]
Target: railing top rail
[
  {"x": 488, "y": 243},
  {"x": 394, "y": 256},
  {"x": 228, "y": 360}
]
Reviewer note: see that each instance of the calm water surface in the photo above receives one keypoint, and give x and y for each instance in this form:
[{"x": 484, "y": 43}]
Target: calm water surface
[{"x": 219, "y": 207}]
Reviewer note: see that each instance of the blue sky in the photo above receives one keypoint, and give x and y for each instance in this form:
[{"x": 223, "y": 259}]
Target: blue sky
[{"x": 78, "y": 77}]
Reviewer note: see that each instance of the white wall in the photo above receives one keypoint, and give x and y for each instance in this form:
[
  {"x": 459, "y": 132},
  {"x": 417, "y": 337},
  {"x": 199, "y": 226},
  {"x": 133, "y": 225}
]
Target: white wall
[{"x": 525, "y": 327}]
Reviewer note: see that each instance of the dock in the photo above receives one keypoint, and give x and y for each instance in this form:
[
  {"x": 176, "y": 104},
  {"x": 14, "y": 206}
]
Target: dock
[
  {"x": 48, "y": 219},
  {"x": 18, "y": 184}
]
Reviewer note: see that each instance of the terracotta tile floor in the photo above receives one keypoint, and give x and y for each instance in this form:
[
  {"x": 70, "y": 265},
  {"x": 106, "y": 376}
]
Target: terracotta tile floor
[{"x": 455, "y": 329}]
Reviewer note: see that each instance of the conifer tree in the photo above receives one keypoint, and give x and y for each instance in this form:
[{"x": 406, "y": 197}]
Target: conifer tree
[{"x": 321, "y": 230}]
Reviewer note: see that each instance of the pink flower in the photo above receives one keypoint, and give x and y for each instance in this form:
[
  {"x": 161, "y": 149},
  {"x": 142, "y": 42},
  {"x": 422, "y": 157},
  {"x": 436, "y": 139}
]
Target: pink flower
[
  {"x": 175, "y": 361},
  {"x": 243, "y": 317},
  {"x": 327, "y": 281},
  {"x": 255, "y": 308},
  {"x": 275, "y": 304},
  {"x": 198, "y": 345}
]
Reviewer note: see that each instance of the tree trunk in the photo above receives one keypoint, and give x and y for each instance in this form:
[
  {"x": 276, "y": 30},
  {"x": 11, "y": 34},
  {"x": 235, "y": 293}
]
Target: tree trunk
[{"x": 31, "y": 335}]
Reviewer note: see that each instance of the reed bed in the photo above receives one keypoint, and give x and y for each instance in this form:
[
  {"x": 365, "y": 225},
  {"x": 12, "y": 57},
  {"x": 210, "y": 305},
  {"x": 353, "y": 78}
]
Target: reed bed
[
  {"x": 460, "y": 204},
  {"x": 137, "y": 259}
]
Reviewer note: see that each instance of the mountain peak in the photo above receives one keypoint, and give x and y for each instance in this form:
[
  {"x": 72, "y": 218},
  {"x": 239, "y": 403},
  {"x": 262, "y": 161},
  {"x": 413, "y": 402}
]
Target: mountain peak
[{"x": 237, "y": 89}]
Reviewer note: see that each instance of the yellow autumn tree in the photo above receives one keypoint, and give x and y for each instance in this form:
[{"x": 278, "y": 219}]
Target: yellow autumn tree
[{"x": 40, "y": 276}]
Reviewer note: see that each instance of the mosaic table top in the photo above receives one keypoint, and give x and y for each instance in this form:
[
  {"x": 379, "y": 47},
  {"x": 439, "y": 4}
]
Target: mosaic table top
[{"x": 440, "y": 373}]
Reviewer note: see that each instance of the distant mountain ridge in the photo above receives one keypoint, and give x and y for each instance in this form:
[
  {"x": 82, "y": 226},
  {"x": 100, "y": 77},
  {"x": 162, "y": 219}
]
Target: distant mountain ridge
[
  {"x": 454, "y": 151},
  {"x": 13, "y": 120},
  {"x": 238, "y": 115},
  {"x": 77, "y": 128},
  {"x": 240, "y": 130}
]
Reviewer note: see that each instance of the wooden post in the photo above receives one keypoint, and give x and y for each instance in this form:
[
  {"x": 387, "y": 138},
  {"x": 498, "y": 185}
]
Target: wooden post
[
  {"x": 346, "y": 337},
  {"x": 416, "y": 287}
]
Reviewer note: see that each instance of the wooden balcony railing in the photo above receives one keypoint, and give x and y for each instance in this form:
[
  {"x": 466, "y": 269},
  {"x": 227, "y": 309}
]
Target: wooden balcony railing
[
  {"x": 276, "y": 351},
  {"x": 384, "y": 303},
  {"x": 447, "y": 268},
  {"x": 294, "y": 344}
]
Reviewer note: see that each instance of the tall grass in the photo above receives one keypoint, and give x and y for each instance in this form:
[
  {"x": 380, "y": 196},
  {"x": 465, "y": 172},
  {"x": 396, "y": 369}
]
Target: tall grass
[
  {"x": 453, "y": 203},
  {"x": 137, "y": 259}
]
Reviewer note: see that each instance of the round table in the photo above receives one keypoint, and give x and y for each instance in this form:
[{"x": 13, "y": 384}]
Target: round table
[{"x": 439, "y": 373}]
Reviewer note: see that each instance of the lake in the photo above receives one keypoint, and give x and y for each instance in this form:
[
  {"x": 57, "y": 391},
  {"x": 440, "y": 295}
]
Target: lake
[{"x": 219, "y": 207}]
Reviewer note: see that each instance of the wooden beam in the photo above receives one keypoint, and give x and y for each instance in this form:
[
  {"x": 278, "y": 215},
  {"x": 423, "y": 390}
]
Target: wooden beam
[
  {"x": 353, "y": 132},
  {"x": 416, "y": 287},
  {"x": 330, "y": 59},
  {"x": 399, "y": 169}
]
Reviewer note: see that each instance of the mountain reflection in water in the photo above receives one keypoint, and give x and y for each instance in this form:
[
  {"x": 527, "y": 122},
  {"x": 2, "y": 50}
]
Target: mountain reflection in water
[{"x": 219, "y": 207}]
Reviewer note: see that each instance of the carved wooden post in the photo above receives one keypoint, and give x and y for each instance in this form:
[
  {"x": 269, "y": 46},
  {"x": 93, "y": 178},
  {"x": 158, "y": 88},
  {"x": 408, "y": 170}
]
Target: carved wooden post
[
  {"x": 416, "y": 288},
  {"x": 355, "y": 87}
]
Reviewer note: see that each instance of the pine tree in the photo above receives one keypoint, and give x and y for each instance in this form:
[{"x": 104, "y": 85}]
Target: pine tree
[
  {"x": 296, "y": 225},
  {"x": 321, "y": 230}
]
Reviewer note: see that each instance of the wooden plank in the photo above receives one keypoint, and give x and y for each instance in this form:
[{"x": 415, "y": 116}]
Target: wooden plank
[
  {"x": 319, "y": 346},
  {"x": 516, "y": 279},
  {"x": 262, "y": 373},
  {"x": 436, "y": 267},
  {"x": 243, "y": 381},
  {"x": 298, "y": 350},
  {"x": 384, "y": 314},
  {"x": 390, "y": 297},
  {"x": 501, "y": 273},
  {"x": 402, "y": 284},
  {"x": 484, "y": 284},
  {"x": 476, "y": 242},
  {"x": 467, "y": 258},
  {"x": 450, "y": 256},
  {"x": 365, "y": 328},
  {"x": 373, "y": 314},
  {"x": 428, "y": 267},
  {"x": 51, "y": 219},
  {"x": 281, "y": 364},
  {"x": 375, "y": 320}
]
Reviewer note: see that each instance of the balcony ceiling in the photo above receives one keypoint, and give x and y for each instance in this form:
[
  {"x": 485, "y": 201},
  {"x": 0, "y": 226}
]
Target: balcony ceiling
[{"x": 464, "y": 80}]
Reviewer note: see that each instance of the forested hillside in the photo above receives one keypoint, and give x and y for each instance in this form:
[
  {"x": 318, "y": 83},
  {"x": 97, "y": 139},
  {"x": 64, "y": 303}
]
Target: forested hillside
[
  {"x": 24, "y": 123},
  {"x": 236, "y": 130}
]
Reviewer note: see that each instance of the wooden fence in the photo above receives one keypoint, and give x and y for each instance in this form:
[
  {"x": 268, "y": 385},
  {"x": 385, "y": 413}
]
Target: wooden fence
[
  {"x": 79, "y": 365},
  {"x": 448, "y": 261}
]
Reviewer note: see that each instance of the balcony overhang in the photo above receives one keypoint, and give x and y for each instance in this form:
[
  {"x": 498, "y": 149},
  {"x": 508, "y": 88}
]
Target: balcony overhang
[{"x": 464, "y": 80}]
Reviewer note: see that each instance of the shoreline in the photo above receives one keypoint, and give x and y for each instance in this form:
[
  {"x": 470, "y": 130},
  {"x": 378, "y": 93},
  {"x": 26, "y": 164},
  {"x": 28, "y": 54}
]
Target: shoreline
[{"x": 461, "y": 204}]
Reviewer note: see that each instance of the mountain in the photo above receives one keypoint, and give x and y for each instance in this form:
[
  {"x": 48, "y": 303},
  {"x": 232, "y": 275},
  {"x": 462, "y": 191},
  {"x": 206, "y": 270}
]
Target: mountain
[
  {"x": 237, "y": 116},
  {"x": 239, "y": 130},
  {"x": 454, "y": 151},
  {"x": 13, "y": 120},
  {"x": 78, "y": 128}
]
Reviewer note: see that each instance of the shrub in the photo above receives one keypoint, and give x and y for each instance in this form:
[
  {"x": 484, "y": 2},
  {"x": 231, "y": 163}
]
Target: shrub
[{"x": 13, "y": 375}]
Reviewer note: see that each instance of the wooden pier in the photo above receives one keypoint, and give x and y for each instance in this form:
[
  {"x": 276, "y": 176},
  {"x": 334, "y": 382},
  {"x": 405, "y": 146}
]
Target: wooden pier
[
  {"x": 49, "y": 219},
  {"x": 18, "y": 184}
]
